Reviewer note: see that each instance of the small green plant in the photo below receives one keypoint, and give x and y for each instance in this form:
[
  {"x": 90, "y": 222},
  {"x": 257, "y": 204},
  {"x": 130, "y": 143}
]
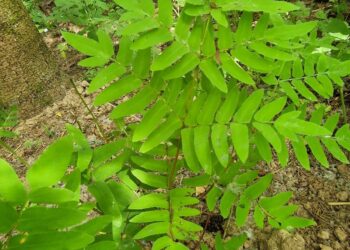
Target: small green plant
[{"x": 221, "y": 88}]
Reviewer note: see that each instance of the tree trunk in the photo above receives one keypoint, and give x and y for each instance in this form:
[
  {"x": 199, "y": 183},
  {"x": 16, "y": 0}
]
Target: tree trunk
[{"x": 30, "y": 76}]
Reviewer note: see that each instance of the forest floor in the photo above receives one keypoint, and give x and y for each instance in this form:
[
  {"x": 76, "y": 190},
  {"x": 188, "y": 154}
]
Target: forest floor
[{"x": 316, "y": 192}]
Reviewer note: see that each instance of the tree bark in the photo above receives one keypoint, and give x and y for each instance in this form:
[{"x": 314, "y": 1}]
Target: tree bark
[{"x": 30, "y": 77}]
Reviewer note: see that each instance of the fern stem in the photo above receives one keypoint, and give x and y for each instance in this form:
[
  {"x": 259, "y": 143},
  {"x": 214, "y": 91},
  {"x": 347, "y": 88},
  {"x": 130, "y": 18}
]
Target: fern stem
[
  {"x": 343, "y": 106},
  {"x": 228, "y": 223},
  {"x": 94, "y": 118},
  {"x": 14, "y": 153},
  {"x": 170, "y": 186}
]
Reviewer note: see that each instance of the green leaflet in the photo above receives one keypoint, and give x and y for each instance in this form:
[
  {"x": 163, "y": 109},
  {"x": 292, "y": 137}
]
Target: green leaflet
[
  {"x": 252, "y": 60},
  {"x": 335, "y": 150},
  {"x": 297, "y": 70},
  {"x": 245, "y": 178},
  {"x": 226, "y": 202},
  {"x": 151, "y": 216},
  {"x": 106, "y": 151},
  {"x": 150, "y": 163},
  {"x": 220, "y": 144},
  {"x": 195, "y": 39},
  {"x": 228, "y": 108},
  {"x": 153, "y": 229},
  {"x": 141, "y": 63},
  {"x": 164, "y": 131},
  {"x": 212, "y": 197},
  {"x": 240, "y": 140},
  {"x": 169, "y": 56},
  {"x": 249, "y": 106},
  {"x": 261, "y": 25},
  {"x": 147, "y": 6},
  {"x": 242, "y": 211},
  {"x": 8, "y": 217},
  {"x": 202, "y": 147},
  {"x": 194, "y": 111},
  {"x": 103, "y": 245},
  {"x": 187, "y": 226},
  {"x": 209, "y": 108},
  {"x": 208, "y": 48},
  {"x": 162, "y": 243},
  {"x": 152, "y": 180},
  {"x": 309, "y": 66},
  {"x": 83, "y": 147},
  {"x": 278, "y": 200},
  {"x": 105, "y": 42},
  {"x": 11, "y": 188},
  {"x": 49, "y": 195},
  {"x": 51, "y": 165},
  {"x": 105, "y": 76},
  {"x": 301, "y": 153},
  {"x": 298, "y": 126},
  {"x": 263, "y": 147},
  {"x": 267, "y": 112},
  {"x": 195, "y": 2},
  {"x": 93, "y": 62},
  {"x": 140, "y": 26},
  {"x": 316, "y": 86},
  {"x": 231, "y": 67},
  {"x": 150, "y": 121},
  {"x": 322, "y": 63},
  {"x": 259, "y": 217},
  {"x": 287, "y": 31},
  {"x": 132, "y": 5},
  {"x": 183, "y": 26},
  {"x": 138, "y": 102},
  {"x": 270, "y": 135},
  {"x": 219, "y": 17},
  {"x": 188, "y": 148},
  {"x": 153, "y": 200},
  {"x": 165, "y": 12},
  {"x": 117, "y": 90},
  {"x": 244, "y": 29},
  {"x": 110, "y": 168},
  {"x": 317, "y": 150},
  {"x": 102, "y": 49},
  {"x": 52, "y": 241},
  {"x": 210, "y": 70},
  {"x": 44, "y": 218},
  {"x": 303, "y": 90},
  {"x": 152, "y": 38},
  {"x": 290, "y": 92},
  {"x": 343, "y": 136},
  {"x": 196, "y": 181},
  {"x": 196, "y": 10},
  {"x": 186, "y": 64},
  {"x": 326, "y": 83},
  {"x": 258, "y": 188},
  {"x": 271, "y": 52},
  {"x": 297, "y": 222},
  {"x": 187, "y": 212},
  {"x": 269, "y": 6},
  {"x": 104, "y": 197},
  {"x": 225, "y": 38},
  {"x": 124, "y": 56}
]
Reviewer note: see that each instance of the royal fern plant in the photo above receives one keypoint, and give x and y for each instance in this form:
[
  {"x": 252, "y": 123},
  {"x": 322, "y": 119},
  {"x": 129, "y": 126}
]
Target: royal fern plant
[{"x": 218, "y": 89}]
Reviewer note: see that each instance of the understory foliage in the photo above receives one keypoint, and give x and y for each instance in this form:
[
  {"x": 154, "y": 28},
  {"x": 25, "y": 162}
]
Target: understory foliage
[{"x": 219, "y": 89}]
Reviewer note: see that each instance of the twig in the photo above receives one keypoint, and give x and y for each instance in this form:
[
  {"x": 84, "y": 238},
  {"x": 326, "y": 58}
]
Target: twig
[
  {"x": 94, "y": 118},
  {"x": 343, "y": 106},
  {"x": 339, "y": 203},
  {"x": 14, "y": 153}
]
